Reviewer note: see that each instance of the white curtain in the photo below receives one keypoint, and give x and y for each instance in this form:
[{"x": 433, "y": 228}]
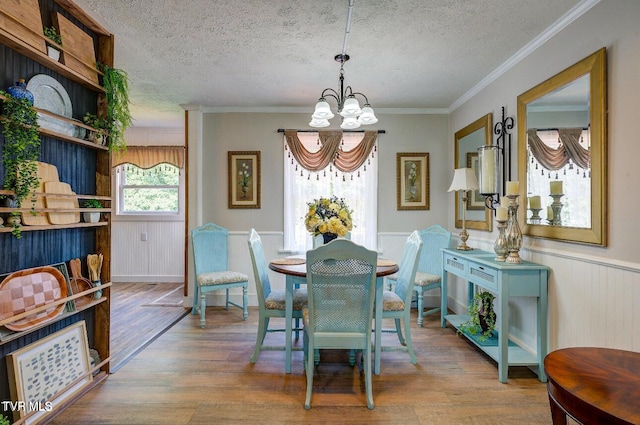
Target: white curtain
[{"x": 359, "y": 189}]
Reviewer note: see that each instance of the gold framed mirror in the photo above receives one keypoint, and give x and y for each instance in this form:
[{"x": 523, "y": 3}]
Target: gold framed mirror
[
  {"x": 562, "y": 154},
  {"x": 467, "y": 141}
]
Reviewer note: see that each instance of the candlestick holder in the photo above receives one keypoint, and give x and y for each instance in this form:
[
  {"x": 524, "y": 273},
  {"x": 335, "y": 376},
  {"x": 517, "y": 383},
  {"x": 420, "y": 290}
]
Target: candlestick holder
[
  {"x": 535, "y": 214},
  {"x": 500, "y": 246},
  {"x": 556, "y": 206},
  {"x": 513, "y": 232}
]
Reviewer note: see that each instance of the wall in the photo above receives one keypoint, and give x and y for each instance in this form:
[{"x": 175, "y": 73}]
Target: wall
[
  {"x": 594, "y": 292},
  {"x": 218, "y": 133},
  {"x": 159, "y": 258}
]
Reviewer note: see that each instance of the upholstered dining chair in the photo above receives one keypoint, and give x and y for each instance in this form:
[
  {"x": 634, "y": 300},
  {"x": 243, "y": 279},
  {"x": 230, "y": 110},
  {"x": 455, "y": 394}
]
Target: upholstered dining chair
[
  {"x": 211, "y": 262},
  {"x": 429, "y": 273},
  {"x": 397, "y": 303},
  {"x": 271, "y": 303},
  {"x": 341, "y": 279}
]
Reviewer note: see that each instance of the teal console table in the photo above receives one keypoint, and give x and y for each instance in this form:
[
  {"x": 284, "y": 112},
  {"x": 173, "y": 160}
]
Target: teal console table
[{"x": 505, "y": 280}]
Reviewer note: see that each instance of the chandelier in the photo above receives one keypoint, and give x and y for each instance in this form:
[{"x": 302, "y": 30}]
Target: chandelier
[{"x": 348, "y": 106}]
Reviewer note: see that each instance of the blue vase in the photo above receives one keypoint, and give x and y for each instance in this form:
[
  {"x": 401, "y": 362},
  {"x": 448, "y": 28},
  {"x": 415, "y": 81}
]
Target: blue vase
[
  {"x": 19, "y": 91},
  {"x": 328, "y": 237}
]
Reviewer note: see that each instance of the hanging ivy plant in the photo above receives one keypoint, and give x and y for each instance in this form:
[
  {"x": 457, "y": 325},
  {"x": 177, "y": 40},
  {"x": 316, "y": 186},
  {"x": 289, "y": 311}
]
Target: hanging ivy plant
[
  {"x": 21, "y": 150},
  {"x": 21, "y": 147},
  {"x": 116, "y": 86}
]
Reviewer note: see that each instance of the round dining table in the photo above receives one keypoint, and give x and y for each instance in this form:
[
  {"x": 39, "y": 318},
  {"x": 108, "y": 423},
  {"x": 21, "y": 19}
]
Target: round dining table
[
  {"x": 295, "y": 270},
  {"x": 594, "y": 385}
]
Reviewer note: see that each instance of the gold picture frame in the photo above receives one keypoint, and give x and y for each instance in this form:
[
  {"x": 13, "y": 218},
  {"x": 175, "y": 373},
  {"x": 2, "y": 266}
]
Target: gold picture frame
[
  {"x": 58, "y": 365},
  {"x": 244, "y": 179},
  {"x": 412, "y": 177},
  {"x": 475, "y": 201}
]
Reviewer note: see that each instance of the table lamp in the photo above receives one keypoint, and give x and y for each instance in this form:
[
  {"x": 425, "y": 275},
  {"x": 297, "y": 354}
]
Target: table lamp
[{"x": 464, "y": 179}]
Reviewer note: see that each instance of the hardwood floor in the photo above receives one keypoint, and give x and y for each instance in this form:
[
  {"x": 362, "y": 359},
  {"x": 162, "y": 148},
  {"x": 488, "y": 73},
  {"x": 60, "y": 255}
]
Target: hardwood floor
[
  {"x": 193, "y": 376},
  {"x": 150, "y": 307}
]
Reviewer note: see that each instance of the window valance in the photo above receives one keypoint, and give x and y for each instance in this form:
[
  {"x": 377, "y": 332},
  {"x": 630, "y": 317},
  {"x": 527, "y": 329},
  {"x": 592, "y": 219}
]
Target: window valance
[
  {"x": 331, "y": 151},
  {"x": 146, "y": 157},
  {"x": 570, "y": 149}
]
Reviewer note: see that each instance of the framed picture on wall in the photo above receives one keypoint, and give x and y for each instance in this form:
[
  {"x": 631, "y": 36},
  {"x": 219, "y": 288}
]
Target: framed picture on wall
[
  {"x": 475, "y": 201},
  {"x": 244, "y": 179},
  {"x": 412, "y": 175},
  {"x": 58, "y": 364}
]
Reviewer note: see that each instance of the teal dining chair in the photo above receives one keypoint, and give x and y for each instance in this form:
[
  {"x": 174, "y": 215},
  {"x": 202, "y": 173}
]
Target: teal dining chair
[
  {"x": 211, "y": 262},
  {"x": 271, "y": 303},
  {"x": 341, "y": 279},
  {"x": 397, "y": 303},
  {"x": 429, "y": 272}
]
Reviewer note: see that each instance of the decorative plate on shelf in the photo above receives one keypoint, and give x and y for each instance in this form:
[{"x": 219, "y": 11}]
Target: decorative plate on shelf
[{"x": 50, "y": 95}]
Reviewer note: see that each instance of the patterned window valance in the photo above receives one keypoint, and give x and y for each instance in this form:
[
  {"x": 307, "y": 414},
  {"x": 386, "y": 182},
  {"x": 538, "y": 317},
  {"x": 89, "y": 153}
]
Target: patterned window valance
[
  {"x": 146, "y": 157},
  {"x": 331, "y": 151}
]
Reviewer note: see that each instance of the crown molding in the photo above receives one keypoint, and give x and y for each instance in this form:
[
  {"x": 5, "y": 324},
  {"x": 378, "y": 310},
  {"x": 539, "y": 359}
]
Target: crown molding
[{"x": 564, "y": 21}]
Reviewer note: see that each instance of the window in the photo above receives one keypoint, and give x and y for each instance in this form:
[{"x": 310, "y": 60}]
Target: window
[
  {"x": 577, "y": 183},
  {"x": 359, "y": 190},
  {"x": 152, "y": 191}
]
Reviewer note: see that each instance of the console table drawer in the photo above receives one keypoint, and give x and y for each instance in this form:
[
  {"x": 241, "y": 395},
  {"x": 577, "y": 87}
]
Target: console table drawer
[
  {"x": 483, "y": 276},
  {"x": 456, "y": 265}
]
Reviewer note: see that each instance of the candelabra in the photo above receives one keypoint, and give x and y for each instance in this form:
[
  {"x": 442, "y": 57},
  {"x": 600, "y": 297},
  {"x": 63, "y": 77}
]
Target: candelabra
[
  {"x": 500, "y": 246},
  {"x": 535, "y": 214},
  {"x": 556, "y": 206},
  {"x": 513, "y": 232}
]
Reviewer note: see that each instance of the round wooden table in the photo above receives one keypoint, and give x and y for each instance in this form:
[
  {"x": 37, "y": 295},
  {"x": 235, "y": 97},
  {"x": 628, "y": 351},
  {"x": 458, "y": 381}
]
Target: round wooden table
[{"x": 594, "y": 385}]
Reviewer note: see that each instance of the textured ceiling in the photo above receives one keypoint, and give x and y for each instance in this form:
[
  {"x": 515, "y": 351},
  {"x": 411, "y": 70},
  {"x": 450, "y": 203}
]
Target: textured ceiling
[{"x": 279, "y": 53}]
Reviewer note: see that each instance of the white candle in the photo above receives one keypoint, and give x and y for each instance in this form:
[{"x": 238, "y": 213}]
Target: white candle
[
  {"x": 556, "y": 187},
  {"x": 488, "y": 172},
  {"x": 501, "y": 213},
  {"x": 549, "y": 213},
  {"x": 513, "y": 187},
  {"x": 534, "y": 202},
  {"x": 504, "y": 202}
]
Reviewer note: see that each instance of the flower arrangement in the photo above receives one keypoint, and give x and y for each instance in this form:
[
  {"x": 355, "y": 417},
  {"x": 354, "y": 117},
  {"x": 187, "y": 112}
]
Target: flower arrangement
[
  {"x": 328, "y": 215},
  {"x": 245, "y": 175}
]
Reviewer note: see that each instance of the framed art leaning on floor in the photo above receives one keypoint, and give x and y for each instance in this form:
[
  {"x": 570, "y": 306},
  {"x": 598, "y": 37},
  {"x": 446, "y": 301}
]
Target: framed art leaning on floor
[
  {"x": 58, "y": 365},
  {"x": 244, "y": 179}
]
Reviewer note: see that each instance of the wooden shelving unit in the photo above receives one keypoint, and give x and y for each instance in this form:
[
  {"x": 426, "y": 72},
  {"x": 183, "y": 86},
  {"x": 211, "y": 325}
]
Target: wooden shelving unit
[{"x": 97, "y": 310}]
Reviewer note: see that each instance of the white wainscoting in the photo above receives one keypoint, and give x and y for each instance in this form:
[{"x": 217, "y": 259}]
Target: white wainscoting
[
  {"x": 158, "y": 259},
  {"x": 592, "y": 301}
]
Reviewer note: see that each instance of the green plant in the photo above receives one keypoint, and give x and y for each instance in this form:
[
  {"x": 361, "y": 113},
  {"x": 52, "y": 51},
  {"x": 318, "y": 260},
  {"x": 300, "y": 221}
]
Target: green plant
[
  {"x": 4, "y": 420},
  {"x": 91, "y": 203},
  {"x": 21, "y": 150},
  {"x": 95, "y": 121},
  {"x": 480, "y": 310},
  {"x": 116, "y": 86},
  {"x": 52, "y": 34}
]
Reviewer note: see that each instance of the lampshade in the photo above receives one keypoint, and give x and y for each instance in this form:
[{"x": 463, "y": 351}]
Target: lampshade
[
  {"x": 319, "y": 123},
  {"x": 367, "y": 116},
  {"x": 463, "y": 179},
  {"x": 322, "y": 111},
  {"x": 351, "y": 108},
  {"x": 350, "y": 123}
]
